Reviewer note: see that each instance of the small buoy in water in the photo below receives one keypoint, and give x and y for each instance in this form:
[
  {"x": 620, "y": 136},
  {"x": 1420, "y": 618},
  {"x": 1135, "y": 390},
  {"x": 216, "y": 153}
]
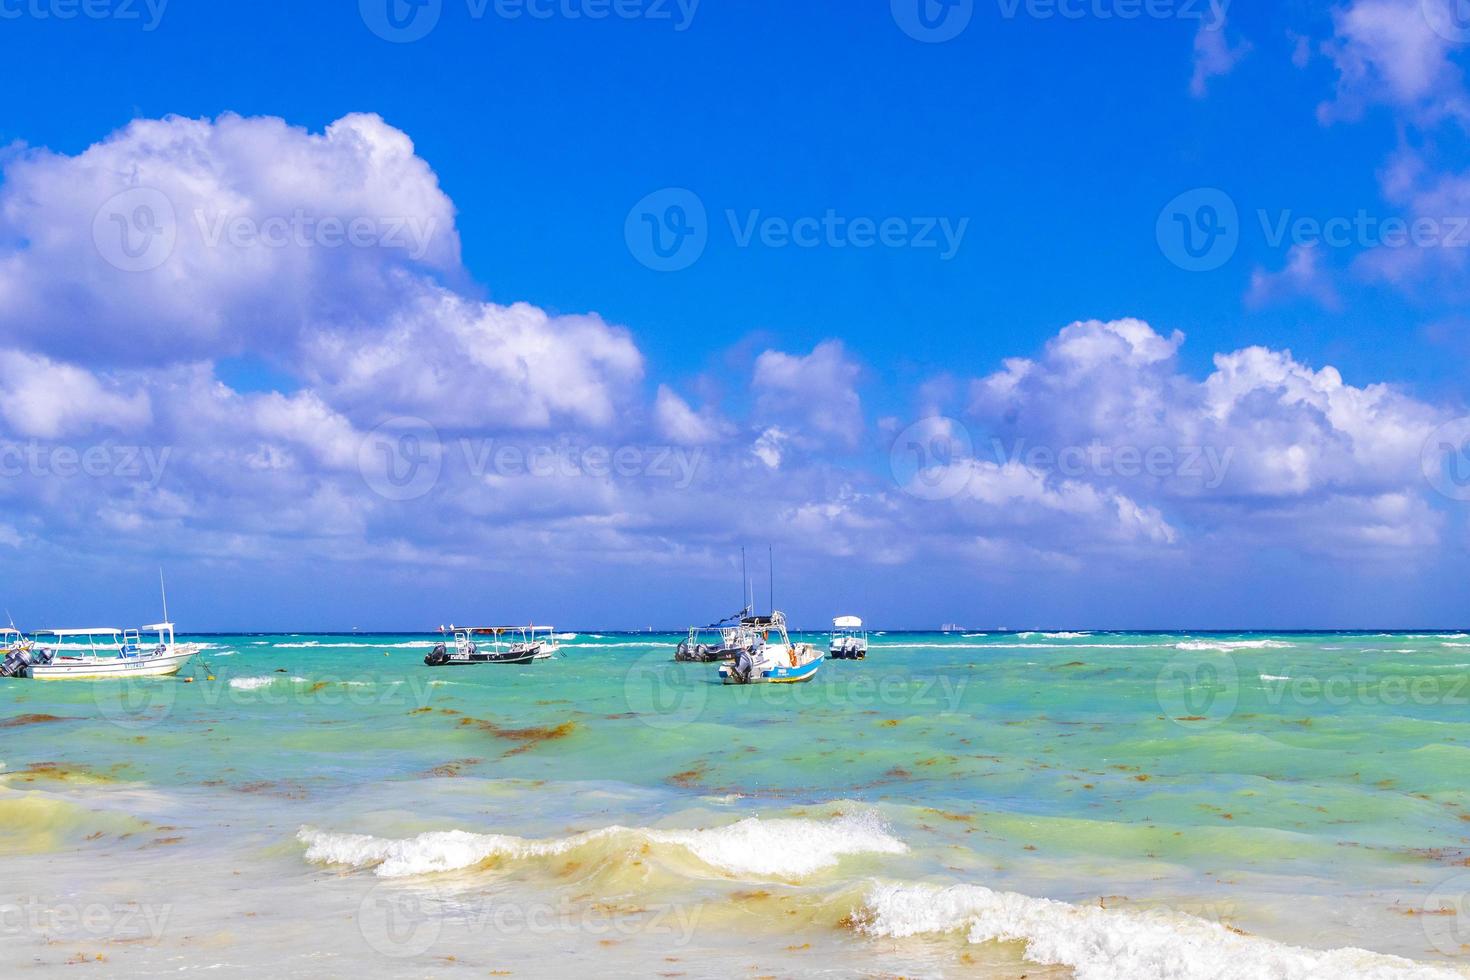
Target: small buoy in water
[
  {"x": 188, "y": 680},
  {"x": 387, "y": 654},
  {"x": 211, "y": 677}
]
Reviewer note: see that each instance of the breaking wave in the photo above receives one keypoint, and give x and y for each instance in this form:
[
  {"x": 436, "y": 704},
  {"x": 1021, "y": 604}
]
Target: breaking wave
[
  {"x": 1116, "y": 944},
  {"x": 777, "y": 848}
]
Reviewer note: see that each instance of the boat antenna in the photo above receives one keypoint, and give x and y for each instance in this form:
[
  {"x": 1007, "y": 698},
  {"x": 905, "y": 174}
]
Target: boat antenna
[
  {"x": 163, "y": 590},
  {"x": 744, "y": 581},
  {"x": 771, "y": 568}
]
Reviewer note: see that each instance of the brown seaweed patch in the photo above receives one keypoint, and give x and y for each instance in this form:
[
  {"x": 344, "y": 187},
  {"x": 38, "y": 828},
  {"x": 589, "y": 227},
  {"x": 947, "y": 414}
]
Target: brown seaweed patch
[
  {"x": 751, "y": 896},
  {"x": 283, "y": 790},
  {"x": 689, "y": 777},
  {"x": 529, "y": 738},
  {"x": 64, "y": 772},
  {"x": 34, "y": 719}
]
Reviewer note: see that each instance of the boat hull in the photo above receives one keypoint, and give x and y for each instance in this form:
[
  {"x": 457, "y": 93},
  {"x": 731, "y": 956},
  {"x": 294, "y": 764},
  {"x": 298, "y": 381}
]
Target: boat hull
[
  {"x": 165, "y": 665},
  {"x": 476, "y": 659},
  {"x": 774, "y": 675}
]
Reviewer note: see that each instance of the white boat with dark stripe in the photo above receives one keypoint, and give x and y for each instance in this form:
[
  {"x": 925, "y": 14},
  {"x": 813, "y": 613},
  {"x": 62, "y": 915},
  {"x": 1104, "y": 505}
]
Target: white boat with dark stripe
[{"x": 103, "y": 652}]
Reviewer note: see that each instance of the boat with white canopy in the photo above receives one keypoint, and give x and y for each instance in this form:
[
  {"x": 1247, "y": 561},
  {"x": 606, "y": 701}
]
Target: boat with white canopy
[
  {"x": 849, "y": 639},
  {"x": 102, "y": 652},
  {"x": 493, "y": 645}
]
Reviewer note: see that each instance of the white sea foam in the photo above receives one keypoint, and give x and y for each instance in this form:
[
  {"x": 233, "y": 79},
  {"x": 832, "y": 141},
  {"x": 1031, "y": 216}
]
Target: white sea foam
[
  {"x": 319, "y": 645},
  {"x": 255, "y": 683},
  {"x": 1020, "y": 646},
  {"x": 1229, "y": 646},
  {"x": 1119, "y": 944},
  {"x": 776, "y": 848}
]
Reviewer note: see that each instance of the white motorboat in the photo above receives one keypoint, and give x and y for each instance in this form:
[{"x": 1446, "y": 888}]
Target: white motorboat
[
  {"x": 103, "y": 652},
  {"x": 849, "y": 639},
  {"x": 776, "y": 660}
]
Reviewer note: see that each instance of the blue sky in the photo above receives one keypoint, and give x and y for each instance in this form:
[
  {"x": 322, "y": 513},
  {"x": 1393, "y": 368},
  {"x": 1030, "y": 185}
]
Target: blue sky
[{"x": 1053, "y": 141}]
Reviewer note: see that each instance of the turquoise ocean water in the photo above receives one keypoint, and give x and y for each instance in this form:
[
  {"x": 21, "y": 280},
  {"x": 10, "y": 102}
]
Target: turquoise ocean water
[{"x": 1099, "y": 805}]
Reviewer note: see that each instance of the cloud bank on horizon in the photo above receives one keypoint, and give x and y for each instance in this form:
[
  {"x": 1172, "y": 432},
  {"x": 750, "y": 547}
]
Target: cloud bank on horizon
[{"x": 408, "y": 419}]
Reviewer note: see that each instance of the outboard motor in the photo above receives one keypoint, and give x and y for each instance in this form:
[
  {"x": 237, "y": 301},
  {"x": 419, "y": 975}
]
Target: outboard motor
[
  {"x": 682, "y": 652},
  {"x": 437, "y": 657},
  {"x": 743, "y": 667},
  {"x": 14, "y": 664}
]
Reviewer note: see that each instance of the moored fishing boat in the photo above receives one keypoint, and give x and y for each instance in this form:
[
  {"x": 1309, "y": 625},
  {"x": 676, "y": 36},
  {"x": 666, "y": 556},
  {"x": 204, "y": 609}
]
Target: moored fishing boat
[
  {"x": 849, "y": 639},
  {"x": 719, "y": 642},
  {"x": 497, "y": 645},
  {"x": 776, "y": 660},
  {"x": 103, "y": 652}
]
